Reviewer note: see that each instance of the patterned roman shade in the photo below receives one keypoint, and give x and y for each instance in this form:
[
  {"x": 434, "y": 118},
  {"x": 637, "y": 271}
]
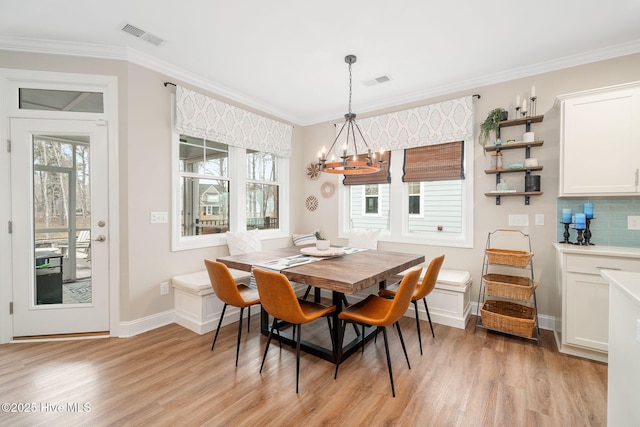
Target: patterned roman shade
[
  {"x": 432, "y": 124},
  {"x": 434, "y": 162},
  {"x": 199, "y": 116}
]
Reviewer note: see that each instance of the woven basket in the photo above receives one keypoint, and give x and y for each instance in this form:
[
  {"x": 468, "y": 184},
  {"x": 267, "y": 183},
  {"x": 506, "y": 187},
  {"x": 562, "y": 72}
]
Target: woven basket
[
  {"x": 515, "y": 287},
  {"x": 508, "y": 257},
  {"x": 508, "y": 317}
]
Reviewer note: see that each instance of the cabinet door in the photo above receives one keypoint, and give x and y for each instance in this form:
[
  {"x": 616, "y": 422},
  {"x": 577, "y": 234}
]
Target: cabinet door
[
  {"x": 587, "y": 320},
  {"x": 600, "y": 143}
]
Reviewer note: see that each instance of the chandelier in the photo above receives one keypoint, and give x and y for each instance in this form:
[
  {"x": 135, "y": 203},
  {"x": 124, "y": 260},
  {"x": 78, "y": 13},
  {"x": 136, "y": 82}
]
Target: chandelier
[{"x": 350, "y": 164}]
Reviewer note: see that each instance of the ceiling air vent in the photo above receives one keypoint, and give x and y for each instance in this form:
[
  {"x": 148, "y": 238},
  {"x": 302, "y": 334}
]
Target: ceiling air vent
[
  {"x": 142, "y": 34},
  {"x": 377, "y": 80}
]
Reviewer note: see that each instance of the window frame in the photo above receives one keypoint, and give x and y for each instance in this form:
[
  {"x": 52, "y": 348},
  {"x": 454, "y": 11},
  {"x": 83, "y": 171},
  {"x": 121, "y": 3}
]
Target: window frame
[
  {"x": 399, "y": 208},
  {"x": 420, "y": 196},
  {"x": 237, "y": 200},
  {"x": 378, "y": 212}
]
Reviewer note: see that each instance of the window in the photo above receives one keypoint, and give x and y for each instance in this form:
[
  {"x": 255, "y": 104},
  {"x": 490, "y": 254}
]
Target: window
[
  {"x": 60, "y": 100},
  {"x": 262, "y": 190},
  {"x": 204, "y": 186},
  {"x": 433, "y": 210},
  {"x": 371, "y": 199},
  {"x": 415, "y": 198},
  {"x": 220, "y": 188}
]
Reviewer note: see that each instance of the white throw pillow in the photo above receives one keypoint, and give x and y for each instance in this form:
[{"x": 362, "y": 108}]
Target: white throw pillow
[
  {"x": 304, "y": 239},
  {"x": 243, "y": 242},
  {"x": 364, "y": 239}
]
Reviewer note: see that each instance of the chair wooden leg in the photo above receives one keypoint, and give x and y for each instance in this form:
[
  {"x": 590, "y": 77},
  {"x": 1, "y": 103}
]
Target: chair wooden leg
[
  {"x": 239, "y": 334},
  {"x": 428, "y": 316},
  {"x": 298, "y": 356},
  {"x": 403, "y": 346},
  {"x": 415, "y": 308},
  {"x": 219, "y": 324},
  {"x": 386, "y": 348},
  {"x": 266, "y": 348}
]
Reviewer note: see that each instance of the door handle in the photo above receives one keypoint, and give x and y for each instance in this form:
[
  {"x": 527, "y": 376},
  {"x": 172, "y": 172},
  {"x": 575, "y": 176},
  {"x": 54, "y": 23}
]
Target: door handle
[{"x": 100, "y": 238}]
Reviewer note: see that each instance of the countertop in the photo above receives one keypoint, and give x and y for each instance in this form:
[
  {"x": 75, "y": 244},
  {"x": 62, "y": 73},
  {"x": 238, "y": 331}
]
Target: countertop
[
  {"x": 621, "y": 251},
  {"x": 626, "y": 281}
]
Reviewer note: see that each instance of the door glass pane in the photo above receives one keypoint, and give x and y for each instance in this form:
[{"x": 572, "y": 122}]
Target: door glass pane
[
  {"x": 62, "y": 218},
  {"x": 60, "y": 100}
]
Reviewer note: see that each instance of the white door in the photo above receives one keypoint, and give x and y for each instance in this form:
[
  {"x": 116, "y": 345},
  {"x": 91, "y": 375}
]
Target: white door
[{"x": 60, "y": 236}]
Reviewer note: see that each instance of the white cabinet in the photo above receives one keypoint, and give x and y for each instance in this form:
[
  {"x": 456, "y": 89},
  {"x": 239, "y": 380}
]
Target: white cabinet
[
  {"x": 600, "y": 142},
  {"x": 585, "y": 296}
]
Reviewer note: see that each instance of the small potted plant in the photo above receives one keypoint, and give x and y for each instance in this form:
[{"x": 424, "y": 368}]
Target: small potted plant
[
  {"x": 322, "y": 244},
  {"x": 491, "y": 123}
]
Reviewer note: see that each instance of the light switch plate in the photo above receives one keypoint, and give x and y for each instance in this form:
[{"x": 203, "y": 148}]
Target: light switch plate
[
  {"x": 518, "y": 220},
  {"x": 159, "y": 217},
  {"x": 539, "y": 219},
  {"x": 633, "y": 222}
]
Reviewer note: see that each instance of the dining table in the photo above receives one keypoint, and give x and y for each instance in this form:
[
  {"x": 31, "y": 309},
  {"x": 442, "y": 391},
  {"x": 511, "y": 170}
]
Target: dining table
[{"x": 347, "y": 272}]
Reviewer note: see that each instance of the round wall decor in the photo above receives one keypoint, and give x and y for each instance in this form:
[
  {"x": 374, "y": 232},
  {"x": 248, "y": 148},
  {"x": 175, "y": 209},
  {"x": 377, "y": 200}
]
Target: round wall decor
[
  {"x": 312, "y": 203},
  {"x": 313, "y": 171},
  {"x": 327, "y": 189}
]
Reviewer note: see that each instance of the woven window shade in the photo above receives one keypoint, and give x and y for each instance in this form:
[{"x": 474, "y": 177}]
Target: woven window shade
[
  {"x": 381, "y": 177},
  {"x": 434, "y": 162}
]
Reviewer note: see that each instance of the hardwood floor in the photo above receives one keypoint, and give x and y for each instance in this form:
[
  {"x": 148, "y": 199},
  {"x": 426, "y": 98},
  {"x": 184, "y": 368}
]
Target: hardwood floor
[{"x": 169, "y": 377}]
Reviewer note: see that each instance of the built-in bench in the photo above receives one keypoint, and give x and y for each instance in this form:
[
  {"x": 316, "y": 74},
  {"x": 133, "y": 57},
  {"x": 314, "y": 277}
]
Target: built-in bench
[
  {"x": 196, "y": 306},
  {"x": 198, "y": 309}
]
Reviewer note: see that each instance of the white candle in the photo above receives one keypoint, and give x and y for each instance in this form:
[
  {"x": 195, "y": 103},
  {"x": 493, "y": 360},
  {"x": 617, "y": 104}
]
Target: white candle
[
  {"x": 524, "y": 105},
  {"x": 518, "y": 101},
  {"x": 533, "y": 91}
]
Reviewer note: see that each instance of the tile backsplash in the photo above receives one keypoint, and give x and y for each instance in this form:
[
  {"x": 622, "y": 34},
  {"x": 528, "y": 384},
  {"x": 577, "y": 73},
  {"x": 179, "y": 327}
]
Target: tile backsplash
[{"x": 609, "y": 226}]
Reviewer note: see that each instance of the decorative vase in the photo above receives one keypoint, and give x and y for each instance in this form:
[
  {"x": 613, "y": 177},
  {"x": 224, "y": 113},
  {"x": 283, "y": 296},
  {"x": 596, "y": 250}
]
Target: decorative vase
[{"x": 323, "y": 245}]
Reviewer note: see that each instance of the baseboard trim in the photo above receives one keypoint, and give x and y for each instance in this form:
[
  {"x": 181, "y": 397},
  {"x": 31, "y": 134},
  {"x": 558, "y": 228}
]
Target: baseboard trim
[{"x": 138, "y": 326}]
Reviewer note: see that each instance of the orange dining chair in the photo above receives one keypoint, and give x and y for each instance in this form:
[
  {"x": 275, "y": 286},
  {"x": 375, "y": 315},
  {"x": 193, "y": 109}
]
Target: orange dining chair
[
  {"x": 231, "y": 293},
  {"x": 382, "y": 312},
  {"x": 422, "y": 290},
  {"x": 280, "y": 301}
]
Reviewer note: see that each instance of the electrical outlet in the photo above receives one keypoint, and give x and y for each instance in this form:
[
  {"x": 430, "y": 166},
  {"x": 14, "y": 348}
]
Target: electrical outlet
[
  {"x": 519, "y": 220},
  {"x": 164, "y": 288},
  {"x": 539, "y": 219},
  {"x": 633, "y": 222},
  {"x": 159, "y": 217}
]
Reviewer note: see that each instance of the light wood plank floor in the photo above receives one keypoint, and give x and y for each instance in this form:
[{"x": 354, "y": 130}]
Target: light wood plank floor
[{"x": 169, "y": 377}]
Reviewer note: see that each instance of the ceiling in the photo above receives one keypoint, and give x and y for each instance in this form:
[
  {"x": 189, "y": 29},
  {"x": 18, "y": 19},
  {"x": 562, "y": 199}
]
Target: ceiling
[{"x": 286, "y": 57}]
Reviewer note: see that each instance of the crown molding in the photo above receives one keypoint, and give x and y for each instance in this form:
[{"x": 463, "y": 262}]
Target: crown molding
[
  {"x": 596, "y": 55},
  {"x": 90, "y": 50},
  {"x": 135, "y": 56}
]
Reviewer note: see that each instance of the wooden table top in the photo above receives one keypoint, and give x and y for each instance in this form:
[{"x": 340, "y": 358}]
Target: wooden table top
[{"x": 348, "y": 274}]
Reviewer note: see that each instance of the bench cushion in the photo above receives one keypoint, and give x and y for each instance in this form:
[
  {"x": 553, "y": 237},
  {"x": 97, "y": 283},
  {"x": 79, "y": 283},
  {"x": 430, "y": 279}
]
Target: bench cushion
[{"x": 198, "y": 283}]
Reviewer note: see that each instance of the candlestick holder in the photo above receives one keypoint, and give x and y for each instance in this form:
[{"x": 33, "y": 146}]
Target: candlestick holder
[
  {"x": 523, "y": 112},
  {"x": 566, "y": 233},
  {"x": 532, "y": 105},
  {"x": 587, "y": 233},
  {"x": 517, "y": 112},
  {"x": 580, "y": 238}
]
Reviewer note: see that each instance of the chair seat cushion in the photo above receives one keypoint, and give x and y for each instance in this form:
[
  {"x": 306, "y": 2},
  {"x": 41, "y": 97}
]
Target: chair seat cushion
[
  {"x": 372, "y": 311},
  {"x": 199, "y": 283}
]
